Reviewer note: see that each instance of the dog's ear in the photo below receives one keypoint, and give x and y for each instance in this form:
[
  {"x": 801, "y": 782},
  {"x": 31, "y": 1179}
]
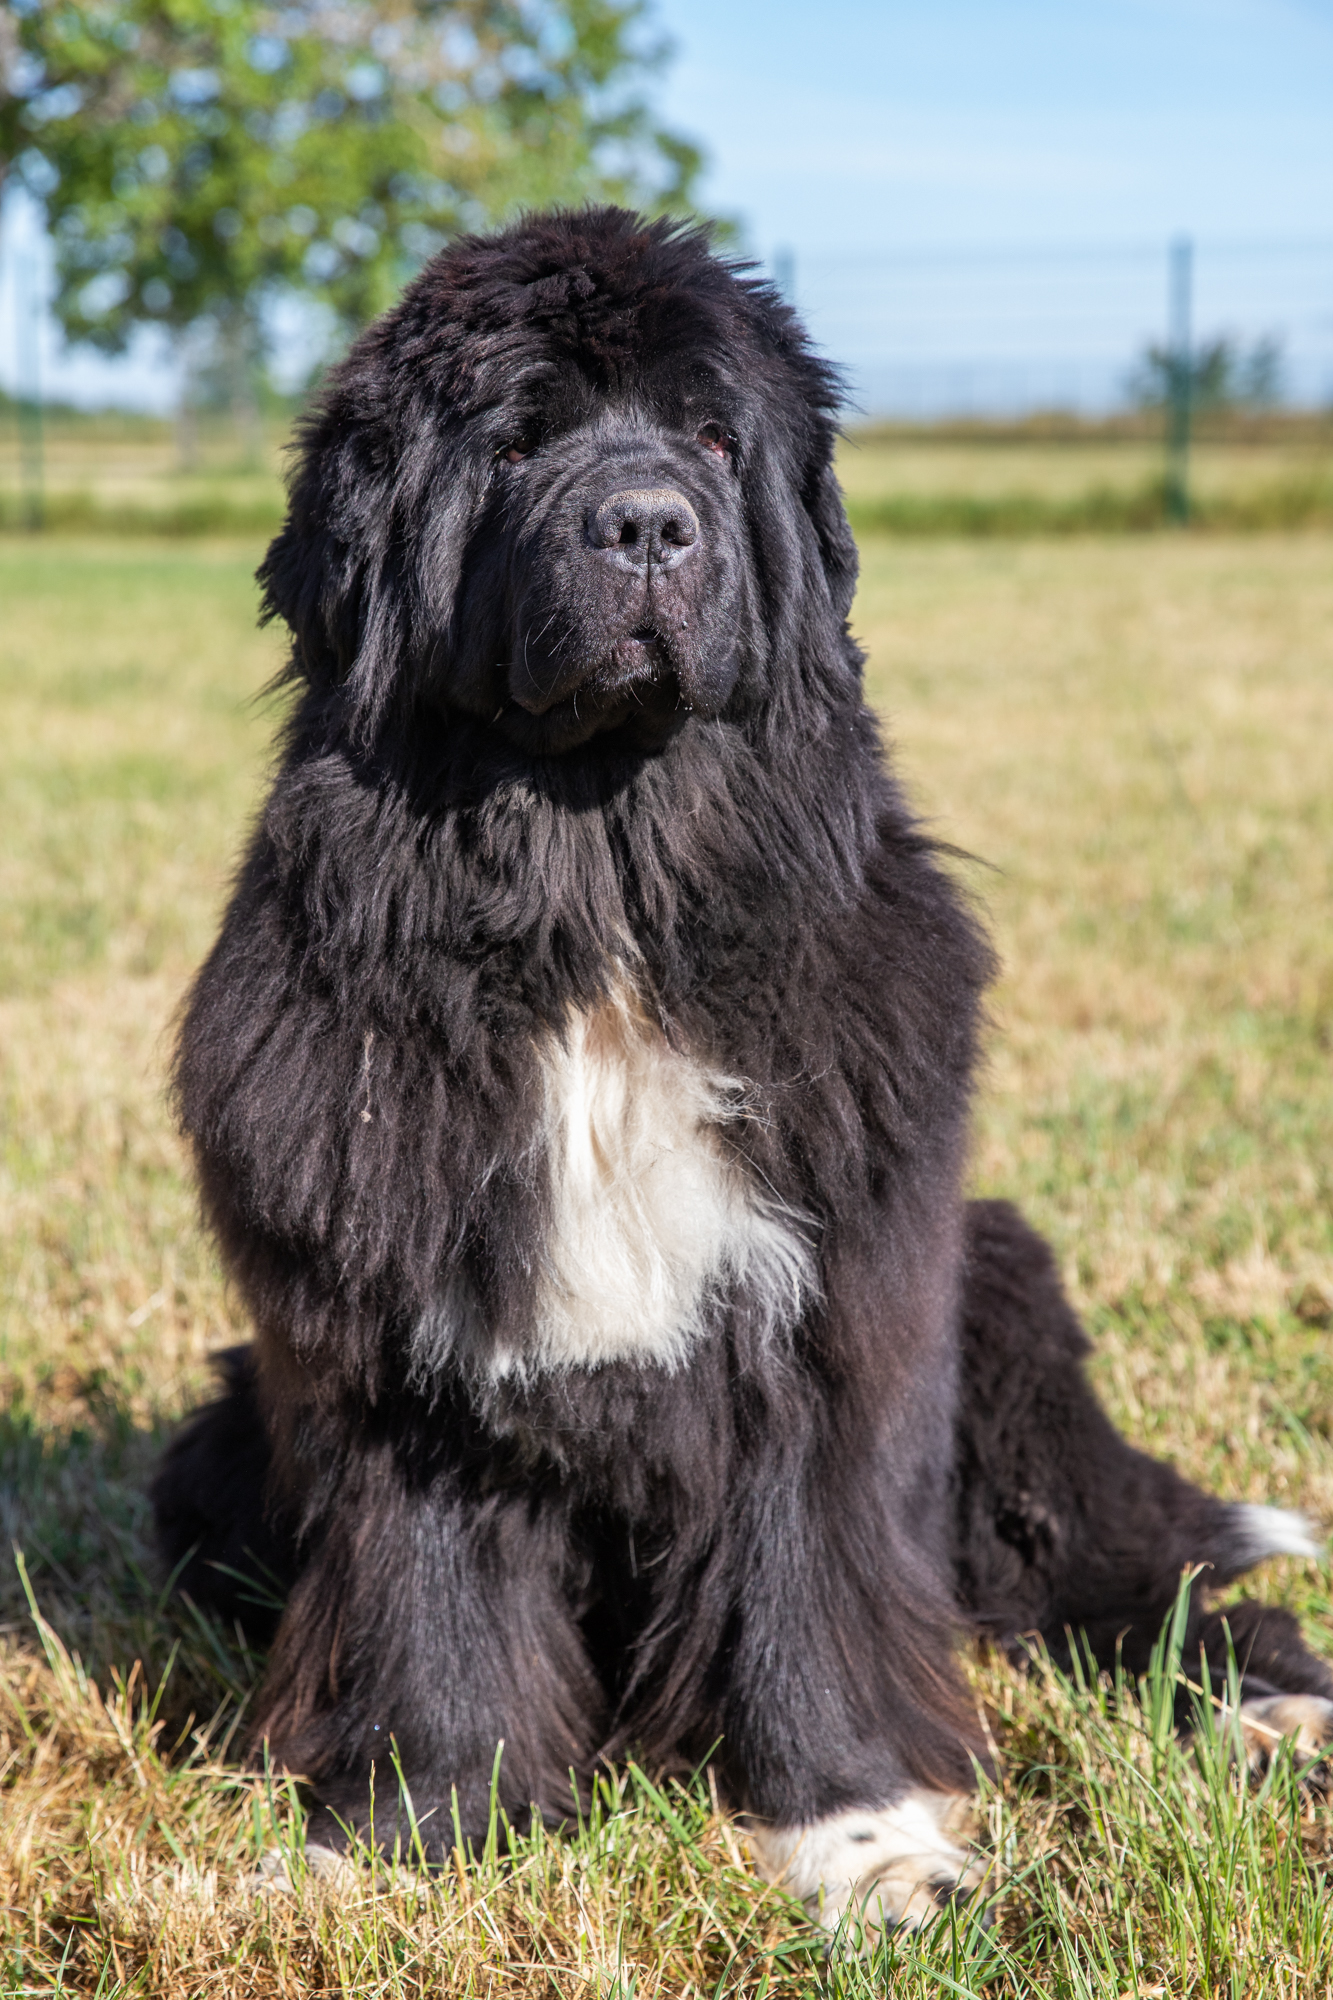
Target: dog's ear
[
  {"x": 334, "y": 572},
  {"x": 365, "y": 571},
  {"x": 837, "y": 548}
]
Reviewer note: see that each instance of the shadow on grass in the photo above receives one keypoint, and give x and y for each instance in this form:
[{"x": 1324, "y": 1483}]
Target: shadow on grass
[{"x": 74, "y": 1507}]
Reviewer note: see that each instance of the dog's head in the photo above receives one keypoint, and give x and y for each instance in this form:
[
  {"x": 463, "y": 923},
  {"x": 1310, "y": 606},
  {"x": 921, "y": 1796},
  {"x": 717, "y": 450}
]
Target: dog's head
[{"x": 575, "y": 485}]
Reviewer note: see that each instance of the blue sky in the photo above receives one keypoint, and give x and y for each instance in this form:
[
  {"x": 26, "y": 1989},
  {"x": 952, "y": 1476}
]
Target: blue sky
[
  {"x": 850, "y": 124},
  {"x": 900, "y": 150},
  {"x": 872, "y": 139}
]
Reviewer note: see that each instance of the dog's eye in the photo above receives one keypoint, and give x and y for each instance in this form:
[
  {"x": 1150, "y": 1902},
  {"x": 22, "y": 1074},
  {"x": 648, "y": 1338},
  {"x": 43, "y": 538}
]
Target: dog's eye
[
  {"x": 716, "y": 437},
  {"x": 515, "y": 451}
]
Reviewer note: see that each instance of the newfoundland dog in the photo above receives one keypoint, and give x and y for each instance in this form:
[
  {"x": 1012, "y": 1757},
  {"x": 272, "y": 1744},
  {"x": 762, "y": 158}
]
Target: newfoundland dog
[{"x": 579, "y": 1087}]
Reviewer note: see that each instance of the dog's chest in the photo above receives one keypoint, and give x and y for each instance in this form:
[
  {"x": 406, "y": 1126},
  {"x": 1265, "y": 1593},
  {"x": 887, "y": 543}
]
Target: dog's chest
[{"x": 653, "y": 1218}]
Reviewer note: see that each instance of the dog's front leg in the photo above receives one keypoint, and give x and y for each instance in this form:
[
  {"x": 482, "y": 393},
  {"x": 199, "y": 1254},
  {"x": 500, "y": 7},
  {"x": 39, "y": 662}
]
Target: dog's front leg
[
  {"x": 430, "y": 1624},
  {"x": 846, "y": 1720}
]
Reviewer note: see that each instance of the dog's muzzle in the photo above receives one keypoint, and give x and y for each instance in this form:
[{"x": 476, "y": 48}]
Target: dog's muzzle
[{"x": 644, "y": 527}]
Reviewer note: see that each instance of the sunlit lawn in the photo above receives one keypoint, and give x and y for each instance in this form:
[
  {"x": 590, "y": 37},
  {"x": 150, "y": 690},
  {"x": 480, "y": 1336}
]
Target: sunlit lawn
[
  {"x": 925, "y": 462},
  {"x": 1135, "y": 736}
]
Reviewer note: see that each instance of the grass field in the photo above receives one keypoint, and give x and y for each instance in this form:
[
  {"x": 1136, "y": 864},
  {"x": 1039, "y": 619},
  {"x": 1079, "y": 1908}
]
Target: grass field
[
  {"x": 113, "y": 472},
  {"x": 1135, "y": 735},
  {"x": 1069, "y": 478},
  {"x": 117, "y": 473},
  {"x": 986, "y": 461}
]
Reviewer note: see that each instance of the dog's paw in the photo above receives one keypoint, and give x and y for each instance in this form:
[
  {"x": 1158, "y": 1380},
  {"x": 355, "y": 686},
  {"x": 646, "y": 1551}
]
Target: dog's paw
[
  {"x": 890, "y": 1866},
  {"x": 1303, "y": 1720},
  {"x": 273, "y": 1874}
]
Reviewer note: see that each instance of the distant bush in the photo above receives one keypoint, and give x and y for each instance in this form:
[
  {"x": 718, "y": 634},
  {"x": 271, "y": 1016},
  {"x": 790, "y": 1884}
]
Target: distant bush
[
  {"x": 201, "y": 514},
  {"x": 1224, "y": 374},
  {"x": 1101, "y": 510}
]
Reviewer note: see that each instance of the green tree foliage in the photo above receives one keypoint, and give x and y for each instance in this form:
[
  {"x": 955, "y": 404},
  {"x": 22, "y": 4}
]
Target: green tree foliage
[
  {"x": 197, "y": 158},
  {"x": 1224, "y": 374}
]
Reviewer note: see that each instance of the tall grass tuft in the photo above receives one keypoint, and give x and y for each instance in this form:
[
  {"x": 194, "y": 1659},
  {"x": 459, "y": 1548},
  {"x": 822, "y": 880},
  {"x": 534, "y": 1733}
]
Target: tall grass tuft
[{"x": 1124, "y": 1859}]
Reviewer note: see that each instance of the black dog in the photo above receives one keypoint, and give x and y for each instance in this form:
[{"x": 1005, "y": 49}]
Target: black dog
[{"x": 580, "y": 1087}]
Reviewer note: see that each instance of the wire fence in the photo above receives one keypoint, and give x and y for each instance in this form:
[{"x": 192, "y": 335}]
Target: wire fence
[
  {"x": 925, "y": 333},
  {"x": 922, "y": 332},
  {"x": 1187, "y": 330}
]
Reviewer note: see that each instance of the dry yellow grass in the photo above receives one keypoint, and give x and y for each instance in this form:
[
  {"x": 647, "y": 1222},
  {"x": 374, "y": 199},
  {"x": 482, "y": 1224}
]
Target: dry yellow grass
[
  {"x": 111, "y": 465},
  {"x": 922, "y": 464},
  {"x": 1136, "y": 736}
]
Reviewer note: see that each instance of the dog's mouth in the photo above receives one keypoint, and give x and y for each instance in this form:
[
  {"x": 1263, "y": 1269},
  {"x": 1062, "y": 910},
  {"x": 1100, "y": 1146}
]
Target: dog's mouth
[
  {"x": 636, "y": 684},
  {"x": 634, "y": 688},
  {"x": 637, "y": 660}
]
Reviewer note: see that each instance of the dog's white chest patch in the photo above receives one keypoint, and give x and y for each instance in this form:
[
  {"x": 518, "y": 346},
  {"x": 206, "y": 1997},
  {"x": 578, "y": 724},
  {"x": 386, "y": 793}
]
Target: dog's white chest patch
[{"x": 652, "y": 1216}]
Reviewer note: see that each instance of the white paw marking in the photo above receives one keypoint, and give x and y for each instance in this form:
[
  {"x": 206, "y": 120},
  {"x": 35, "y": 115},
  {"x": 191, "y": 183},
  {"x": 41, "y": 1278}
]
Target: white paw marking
[
  {"x": 891, "y": 1864},
  {"x": 1305, "y": 1720},
  {"x": 273, "y": 1874},
  {"x": 1273, "y": 1531}
]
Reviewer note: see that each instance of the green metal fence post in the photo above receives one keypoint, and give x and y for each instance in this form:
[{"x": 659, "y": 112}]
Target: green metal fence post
[
  {"x": 31, "y": 455},
  {"x": 1180, "y": 380}
]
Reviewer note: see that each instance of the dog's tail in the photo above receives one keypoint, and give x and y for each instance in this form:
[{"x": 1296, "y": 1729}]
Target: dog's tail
[{"x": 1062, "y": 1527}]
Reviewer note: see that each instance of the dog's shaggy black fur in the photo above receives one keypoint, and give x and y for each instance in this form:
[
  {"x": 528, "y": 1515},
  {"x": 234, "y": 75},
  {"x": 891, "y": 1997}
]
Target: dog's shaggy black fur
[{"x": 580, "y": 773}]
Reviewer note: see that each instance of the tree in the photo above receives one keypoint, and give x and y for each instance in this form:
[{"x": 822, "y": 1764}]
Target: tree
[
  {"x": 199, "y": 158},
  {"x": 1223, "y": 375}
]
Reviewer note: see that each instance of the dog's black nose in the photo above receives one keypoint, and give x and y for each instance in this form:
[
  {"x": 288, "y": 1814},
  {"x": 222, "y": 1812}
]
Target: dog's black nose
[{"x": 645, "y": 525}]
